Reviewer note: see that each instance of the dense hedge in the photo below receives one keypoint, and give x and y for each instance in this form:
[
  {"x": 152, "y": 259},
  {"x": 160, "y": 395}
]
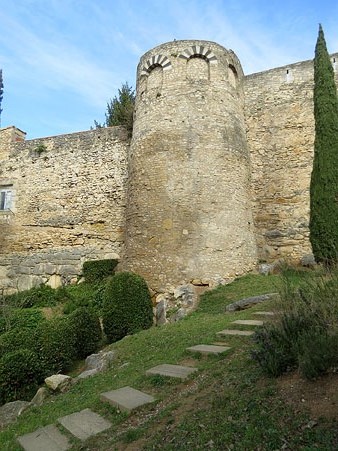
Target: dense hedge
[
  {"x": 41, "y": 296},
  {"x": 95, "y": 271},
  {"x": 16, "y": 339},
  {"x": 56, "y": 344},
  {"x": 20, "y": 375},
  {"x": 88, "y": 334},
  {"x": 127, "y": 306}
]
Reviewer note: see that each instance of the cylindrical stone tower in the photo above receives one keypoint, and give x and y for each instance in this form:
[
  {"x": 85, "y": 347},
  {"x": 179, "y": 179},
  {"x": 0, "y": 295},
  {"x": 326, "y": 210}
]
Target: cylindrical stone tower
[{"x": 188, "y": 212}]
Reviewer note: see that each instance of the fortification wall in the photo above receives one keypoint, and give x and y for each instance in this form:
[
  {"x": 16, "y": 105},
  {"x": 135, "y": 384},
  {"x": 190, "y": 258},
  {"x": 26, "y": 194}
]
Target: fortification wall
[
  {"x": 189, "y": 212},
  {"x": 219, "y": 166},
  {"x": 67, "y": 205},
  {"x": 280, "y": 132}
]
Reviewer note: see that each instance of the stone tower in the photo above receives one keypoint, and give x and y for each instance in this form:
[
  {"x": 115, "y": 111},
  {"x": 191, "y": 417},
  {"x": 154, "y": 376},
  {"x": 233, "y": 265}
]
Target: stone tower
[{"x": 188, "y": 212}]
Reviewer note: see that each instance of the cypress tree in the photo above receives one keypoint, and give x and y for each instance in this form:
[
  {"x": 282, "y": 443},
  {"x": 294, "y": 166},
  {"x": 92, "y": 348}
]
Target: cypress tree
[{"x": 324, "y": 177}]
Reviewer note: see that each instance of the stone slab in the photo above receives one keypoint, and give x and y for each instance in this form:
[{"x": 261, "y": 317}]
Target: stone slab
[
  {"x": 248, "y": 322},
  {"x": 181, "y": 372},
  {"x": 236, "y": 332},
  {"x": 264, "y": 313},
  {"x": 248, "y": 302},
  {"x": 208, "y": 349},
  {"x": 126, "y": 398},
  {"x": 84, "y": 424},
  {"x": 48, "y": 438}
]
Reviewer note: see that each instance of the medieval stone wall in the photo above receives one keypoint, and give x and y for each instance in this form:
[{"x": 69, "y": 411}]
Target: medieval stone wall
[
  {"x": 280, "y": 133},
  {"x": 68, "y": 204},
  {"x": 216, "y": 178}
]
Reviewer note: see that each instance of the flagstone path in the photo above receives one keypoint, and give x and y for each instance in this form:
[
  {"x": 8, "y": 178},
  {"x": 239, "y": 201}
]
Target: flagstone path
[
  {"x": 85, "y": 424},
  {"x": 209, "y": 349},
  {"x": 48, "y": 438},
  {"x": 126, "y": 398},
  {"x": 178, "y": 371},
  {"x": 248, "y": 322},
  {"x": 262, "y": 313}
]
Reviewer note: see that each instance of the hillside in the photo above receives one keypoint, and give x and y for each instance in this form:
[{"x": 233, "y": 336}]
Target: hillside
[{"x": 228, "y": 404}]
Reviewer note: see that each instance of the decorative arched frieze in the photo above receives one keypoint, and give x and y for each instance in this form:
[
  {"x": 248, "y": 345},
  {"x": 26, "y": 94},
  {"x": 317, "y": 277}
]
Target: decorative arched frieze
[
  {"x": 156, "y": 61},
  {"x": 199, "y": 51}
]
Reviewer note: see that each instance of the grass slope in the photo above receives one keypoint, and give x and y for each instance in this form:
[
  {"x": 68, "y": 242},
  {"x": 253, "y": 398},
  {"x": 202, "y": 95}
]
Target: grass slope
[{"x": 227, "y": 405}]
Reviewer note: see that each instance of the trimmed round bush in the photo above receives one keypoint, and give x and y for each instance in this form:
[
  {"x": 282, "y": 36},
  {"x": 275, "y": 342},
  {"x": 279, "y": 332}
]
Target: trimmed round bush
[
  {"x": 88, "y": 331},
  {"x": 56, "y": 344},
  {"x": 94, "y": 271},
  {"x": 20, "y": 375},
  {"x": 127, "y": 306}
]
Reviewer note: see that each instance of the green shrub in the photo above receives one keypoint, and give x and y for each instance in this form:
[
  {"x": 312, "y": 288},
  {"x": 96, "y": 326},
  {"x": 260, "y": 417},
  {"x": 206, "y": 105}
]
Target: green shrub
[
  {"x": 56, "y": 344},
  {"x": 41, "y": 296},
  {"x": 16, "y": 339},
  {"x": 29, "y": 317},
  {"x": 94, "y": 271},
  {"x": 88, "y": 331},
  {"x": 305, "y": 336},
  {"x": 75, "y": 303},
  {"x": 82, "y": 295},
  {"x": 272, "y": 352},
  {"x": 3, "y": 324},
  {"x": 98, "y": 298},
  {"x": 317, "y": 352},
  {"x": 20, "y": 375},
  {"x": 127, "y": 306}
]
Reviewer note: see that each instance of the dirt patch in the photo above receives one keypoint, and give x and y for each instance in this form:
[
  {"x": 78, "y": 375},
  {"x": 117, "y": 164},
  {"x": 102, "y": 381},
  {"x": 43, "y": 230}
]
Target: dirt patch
[
  {"x": 319, "y": 397},
  {"x": 186, "y": 397}
]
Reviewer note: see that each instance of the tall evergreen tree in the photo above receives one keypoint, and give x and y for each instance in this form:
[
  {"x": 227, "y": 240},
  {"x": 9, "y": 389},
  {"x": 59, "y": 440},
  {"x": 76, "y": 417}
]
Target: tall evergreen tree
[
  {"x": 324, "y": 177},
  {"x": 1, "y": 93},
  {"x": 120, "y": 110}
]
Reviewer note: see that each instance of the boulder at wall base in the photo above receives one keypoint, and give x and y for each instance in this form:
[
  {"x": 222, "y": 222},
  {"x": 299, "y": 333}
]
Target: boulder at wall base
[
  {"x": 40, "y": 396},
  {"x": 160, "y": 312},
  {"x": 87, "y": 373},
  {"x": 100, "y": 361},
  {"x": 176, "y": 303},
  {"x": 58, "y": 382},
  {"x": 10, "y": 411},
  {"x": 249, "y": 302},
  {"x": 308, "y": 261}
]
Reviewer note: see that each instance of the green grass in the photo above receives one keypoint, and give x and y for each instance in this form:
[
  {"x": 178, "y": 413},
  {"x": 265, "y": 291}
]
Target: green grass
[{"x": 227, "y": 405}]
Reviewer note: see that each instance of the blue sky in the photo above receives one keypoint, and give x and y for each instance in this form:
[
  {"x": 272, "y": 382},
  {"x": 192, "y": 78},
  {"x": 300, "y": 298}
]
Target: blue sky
[{"x": 62, "y": 60}]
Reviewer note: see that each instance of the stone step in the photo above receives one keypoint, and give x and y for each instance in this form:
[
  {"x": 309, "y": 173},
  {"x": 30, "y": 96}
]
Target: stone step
[
  {"x": 84, "y": 424},
  {"x": 178, "y": 371},
  {"x": 48, "y": 438},
  {"x": 264, "y": 313},
  {"x": 126, "y": 398},
  {"x": 236, "y": 332},
  {"x": 248, "y": 322},
  {"x": 208, "y": 349}
]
